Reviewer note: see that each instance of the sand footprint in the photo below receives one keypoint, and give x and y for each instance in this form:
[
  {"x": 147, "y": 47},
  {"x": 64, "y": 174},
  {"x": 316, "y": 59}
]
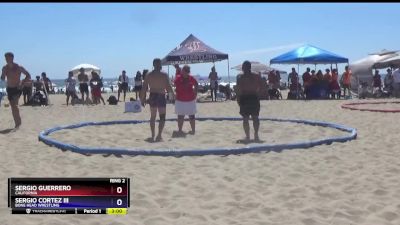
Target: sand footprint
[
  {"x": 309, "y": 221},
  {"x": 380, "y": 192},
  {"x": 173, "y": 215},
  {"x": 155, "y": 221},
  {"x": 389, "y": 216}
]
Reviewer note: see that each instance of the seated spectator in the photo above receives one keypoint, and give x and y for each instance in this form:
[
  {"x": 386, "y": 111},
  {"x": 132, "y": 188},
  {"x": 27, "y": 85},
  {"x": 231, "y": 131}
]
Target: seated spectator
[{"x": 38, "y": 85}]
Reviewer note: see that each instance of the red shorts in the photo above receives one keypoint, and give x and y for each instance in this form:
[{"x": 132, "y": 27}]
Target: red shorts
[{"x": 96, "y": 92}]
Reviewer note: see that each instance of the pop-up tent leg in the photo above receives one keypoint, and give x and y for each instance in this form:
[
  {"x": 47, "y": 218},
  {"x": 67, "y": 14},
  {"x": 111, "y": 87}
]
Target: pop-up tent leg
[
  {"x": 298, "y": 81},
  {"x": 229, "y": 77}
]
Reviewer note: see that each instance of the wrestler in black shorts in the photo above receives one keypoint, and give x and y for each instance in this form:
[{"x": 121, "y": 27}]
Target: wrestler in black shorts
[
  {"x": 13, "y": 93},
  {"x": 84, "y": 88},
  {"x": 249, "y": 105}
]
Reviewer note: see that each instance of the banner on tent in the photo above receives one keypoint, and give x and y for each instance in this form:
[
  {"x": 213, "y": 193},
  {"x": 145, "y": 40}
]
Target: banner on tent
[{"x": 198, "y": 57}]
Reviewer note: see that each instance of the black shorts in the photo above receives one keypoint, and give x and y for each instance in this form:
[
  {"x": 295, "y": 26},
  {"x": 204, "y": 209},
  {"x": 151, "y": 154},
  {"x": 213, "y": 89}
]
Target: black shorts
[
  {"x": 84, "y": 88},
  {"x": 157, "y": 100},
  {"x": 27, "y": 90},
  {"x": 138, "y": 88},
  {"x": 70, "y": 93},
  {"x": 346, "y": 86},
  {"x": 249, "y": 105},
  {"x": 215, "y": 87},
  {"x": 124, "y": 86},
  {"x": 13, "y": 93}
]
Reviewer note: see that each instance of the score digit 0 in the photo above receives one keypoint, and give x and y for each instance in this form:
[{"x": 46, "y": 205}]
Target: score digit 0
[{"x": 119, "y": 190}]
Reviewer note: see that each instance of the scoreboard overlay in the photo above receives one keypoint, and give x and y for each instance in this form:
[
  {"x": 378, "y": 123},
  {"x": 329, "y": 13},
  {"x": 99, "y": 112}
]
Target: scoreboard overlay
[{"x": 69, "y": 195}]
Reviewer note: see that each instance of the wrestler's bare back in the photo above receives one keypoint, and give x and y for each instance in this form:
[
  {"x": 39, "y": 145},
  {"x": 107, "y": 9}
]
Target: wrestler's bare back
[{"x": 249, "y": 84}]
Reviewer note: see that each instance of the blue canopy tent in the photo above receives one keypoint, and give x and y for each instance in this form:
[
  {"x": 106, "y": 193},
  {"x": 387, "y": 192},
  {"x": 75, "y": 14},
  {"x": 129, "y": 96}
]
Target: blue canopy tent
[
  {"x": 309, "y": 54},
  {"x": 193, "y": 50}
]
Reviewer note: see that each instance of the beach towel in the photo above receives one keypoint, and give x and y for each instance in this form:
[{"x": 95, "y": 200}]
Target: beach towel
[{"x": 133, "y": 106}]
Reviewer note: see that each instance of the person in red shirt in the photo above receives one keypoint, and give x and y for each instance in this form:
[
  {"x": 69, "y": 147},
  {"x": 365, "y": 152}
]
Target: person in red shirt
[
  {"x": 95, "y": 85},
  {"x": 307, "y": 81},
  {"x": 326, "y": 83},
  {"x": 186, "y": 96}
]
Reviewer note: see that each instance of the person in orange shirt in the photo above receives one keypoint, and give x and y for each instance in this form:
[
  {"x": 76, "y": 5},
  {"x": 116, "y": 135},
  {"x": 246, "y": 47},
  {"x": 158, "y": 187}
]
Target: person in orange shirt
[
  {"x": 346, "y": 78},
  {"x": 327, "y": 75}
]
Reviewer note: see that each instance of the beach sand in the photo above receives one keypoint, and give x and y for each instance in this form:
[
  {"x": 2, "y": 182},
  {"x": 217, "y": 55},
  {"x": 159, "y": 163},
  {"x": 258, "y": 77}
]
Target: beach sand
[{"x": 357, "y": 182}]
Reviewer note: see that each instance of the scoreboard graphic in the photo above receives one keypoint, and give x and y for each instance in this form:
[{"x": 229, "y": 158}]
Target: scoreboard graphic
[{"x": 69, "y": 195}]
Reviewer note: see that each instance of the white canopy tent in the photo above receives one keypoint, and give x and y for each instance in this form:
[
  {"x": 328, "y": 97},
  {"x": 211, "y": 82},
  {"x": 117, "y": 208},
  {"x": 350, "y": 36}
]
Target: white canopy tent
[
  {"x": 393, "y": 62},
  {"x": 88, "y": 69},
  {"x": 256, "y": 67},
  {"x": 362, "y": 69}
]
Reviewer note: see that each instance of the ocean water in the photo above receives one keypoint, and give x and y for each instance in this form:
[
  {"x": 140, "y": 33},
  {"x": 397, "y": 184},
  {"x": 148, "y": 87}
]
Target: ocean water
[{"x": 108, "y": 82}]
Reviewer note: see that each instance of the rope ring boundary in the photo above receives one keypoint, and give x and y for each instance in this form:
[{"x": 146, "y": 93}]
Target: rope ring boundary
[
  {"x": 257, "y": 148},
  {"x": 352, "y": 105}
]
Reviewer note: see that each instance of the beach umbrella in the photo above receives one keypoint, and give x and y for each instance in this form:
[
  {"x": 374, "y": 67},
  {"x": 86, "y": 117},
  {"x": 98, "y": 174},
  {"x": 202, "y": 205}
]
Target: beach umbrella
[
  {"x": 362, "y": 68},
  {"x": 385, "y": 52},
  {"x": 88, "y": 69},
  {"x": 256, "y": 67},
  {"x": 390, "y": 62}
]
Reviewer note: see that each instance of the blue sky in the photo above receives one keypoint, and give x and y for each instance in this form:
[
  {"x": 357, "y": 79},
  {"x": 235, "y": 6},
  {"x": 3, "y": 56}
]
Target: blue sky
[{"x": 55, "y": 37}]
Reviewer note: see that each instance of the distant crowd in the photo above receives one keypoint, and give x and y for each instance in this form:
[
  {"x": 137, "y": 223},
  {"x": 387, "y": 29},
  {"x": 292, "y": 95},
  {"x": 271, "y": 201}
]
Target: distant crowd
[
  {"x": 155, "y": 88},
  {"x": 317, "y": 85}
]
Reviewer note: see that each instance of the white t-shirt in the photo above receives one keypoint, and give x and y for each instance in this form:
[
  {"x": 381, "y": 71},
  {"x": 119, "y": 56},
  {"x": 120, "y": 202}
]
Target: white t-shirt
[
  {"x": 138, "y": 83},
  {"x": 396, "y": 76},
  {"x": 122, "y": 80}
]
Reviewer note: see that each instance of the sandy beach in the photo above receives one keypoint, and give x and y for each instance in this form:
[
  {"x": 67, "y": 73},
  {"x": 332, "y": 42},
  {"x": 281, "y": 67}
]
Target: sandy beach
[{"x": 357, "y": 182}]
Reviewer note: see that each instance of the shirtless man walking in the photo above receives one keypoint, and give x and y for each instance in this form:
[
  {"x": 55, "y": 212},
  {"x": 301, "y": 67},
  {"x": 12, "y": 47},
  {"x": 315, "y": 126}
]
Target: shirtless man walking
[
  {"x": 248, "y": 90},
  {"x": 12, "y": 72},
  {"x": 158, "y": 82}
]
